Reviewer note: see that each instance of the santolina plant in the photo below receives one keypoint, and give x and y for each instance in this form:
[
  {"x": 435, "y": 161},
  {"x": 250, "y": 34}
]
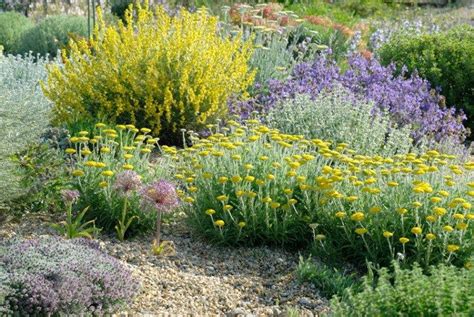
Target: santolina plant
[
  {"x": 249, "y": 184},
  {"x": 52, "y": 276},
  {"x": 409, "y": 101},
  {"x": 109, "y": 168}
]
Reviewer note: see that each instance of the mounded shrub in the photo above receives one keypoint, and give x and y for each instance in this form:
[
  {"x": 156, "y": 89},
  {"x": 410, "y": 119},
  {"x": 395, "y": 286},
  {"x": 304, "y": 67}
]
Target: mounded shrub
[
  {"x": 12, "y": 26},
  {"x": 52, "y": 34},
  {"x": 162, "y": 72},
  {"x": 52, "y": 276},
  {"x": 21, "y": 100},
  {"x": 445, "y": 59},
  {"x": 409, "y": 101},
  {"x": 444, "y": 291},
  {"x": 340, "y": 116},
  {"x": 252, "y": 184}
]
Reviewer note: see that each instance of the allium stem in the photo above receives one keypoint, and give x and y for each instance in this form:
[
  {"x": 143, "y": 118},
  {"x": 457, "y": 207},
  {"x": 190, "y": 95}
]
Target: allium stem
[{"x": 158, "y": 228}]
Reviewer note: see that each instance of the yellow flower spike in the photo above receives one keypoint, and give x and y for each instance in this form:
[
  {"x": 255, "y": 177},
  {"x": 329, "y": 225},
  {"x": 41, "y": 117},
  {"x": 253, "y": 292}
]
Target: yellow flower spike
[
  {"x": 404, "y": 240},
  {"x": 241, "y": 224},
  {"x": 274, "y": 205},
  {"x": 448, "y": 228},
  {"x": 462, "y": 226},
  {"x": 436, "y": 199},
  {"x": 223, "y": 180},
  {"x": 189, "y": 200},
  {"x": 361, "y": 231},
  {"x": 453, "y": 248},
  {"x": 416, "y": 230},
  {"x": 103, "y": 184},
  {"x": 78, "y": 173},
  {"x": 236, "y": 179},
  {"x": 340, "y": 214},
  {"x": 127, "y": 167},
  {"x": 219, "y": 223},
  {"x": 458, "y": 216},
  {"x": 266, "y": 200},
  {"x": 249, "y": 178},
  {"x": 70, "y": 151},
  {"x": 440, "y": 211},
  {"x": 105, "y": 150},
  {"x": 107, "y": 173},
  {"x": 227, "y": 207},
  {"x": 358, "y": 216},
  {"x": 375, "y": 209},
  {"x": 222, "y": 198},
  {"x": 387, "y": 234},
  {"x": 402, "y": 211}
]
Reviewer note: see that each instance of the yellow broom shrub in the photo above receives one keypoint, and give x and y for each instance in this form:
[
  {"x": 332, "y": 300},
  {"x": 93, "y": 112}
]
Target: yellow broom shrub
[{"x": 162, "y": 72}]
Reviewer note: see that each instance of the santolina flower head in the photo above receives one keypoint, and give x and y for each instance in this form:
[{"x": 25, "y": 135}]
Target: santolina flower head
[{"x": 161, "y": 195}]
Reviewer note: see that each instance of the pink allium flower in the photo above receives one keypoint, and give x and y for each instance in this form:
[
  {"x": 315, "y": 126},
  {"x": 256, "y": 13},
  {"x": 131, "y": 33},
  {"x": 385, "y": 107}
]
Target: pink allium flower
[
  {"x": 127, "y": 181},
  {"x": 161, "y": 195},
  {"x": 70, "y": 195}
]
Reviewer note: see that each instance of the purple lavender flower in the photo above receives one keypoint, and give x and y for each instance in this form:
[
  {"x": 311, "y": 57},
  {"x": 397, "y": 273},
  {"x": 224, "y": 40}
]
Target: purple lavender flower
[
  {"x": 409, "y": 100},
  {"x": 161, "y": 195},
  {"x": 70, "y": 195},
  {"x": 127, "y": 182}
]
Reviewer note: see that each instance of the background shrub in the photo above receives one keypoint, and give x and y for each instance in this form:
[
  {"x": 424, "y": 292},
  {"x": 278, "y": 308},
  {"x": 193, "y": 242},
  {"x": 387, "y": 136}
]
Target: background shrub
[
  {"x": 21, "y": 100},
  {"x": 147, "y": 73},
  {"x": 409, "y": 101},
  {"x": 52, "y": 276},
  {"x": 12, "y": 26},
  {"x": 340, "y": 116},
  {"x": 52, "y": 34},
  {"x": 445, "y": 59},
  {"x": 444, "y": 291}
]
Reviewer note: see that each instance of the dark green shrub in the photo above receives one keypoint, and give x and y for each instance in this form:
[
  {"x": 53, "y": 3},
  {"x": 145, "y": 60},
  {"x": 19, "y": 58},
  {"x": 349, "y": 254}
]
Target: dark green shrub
[
  {"x": 52, "y": 34},
  {"x": 12, "y": 26},
  {"x": 444, "y": 291},
  {"x": 446, "y": 59}
]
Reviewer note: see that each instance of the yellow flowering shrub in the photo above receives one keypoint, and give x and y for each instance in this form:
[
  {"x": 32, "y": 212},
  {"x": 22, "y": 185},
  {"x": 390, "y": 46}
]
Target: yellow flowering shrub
[
  {"x": 252, "y": 184},
  {"x": 154, "y": 70}
]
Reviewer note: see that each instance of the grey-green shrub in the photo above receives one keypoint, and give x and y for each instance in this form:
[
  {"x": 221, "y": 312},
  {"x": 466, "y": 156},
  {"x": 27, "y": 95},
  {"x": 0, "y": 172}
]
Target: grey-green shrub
[
  {"x": 12, "y": 27},
  {"x": 339, "y": 116},
  {"x": 24, "y": 114},
  {"x": 444, "y": 291},
  {"x": 52, "y": 34}
]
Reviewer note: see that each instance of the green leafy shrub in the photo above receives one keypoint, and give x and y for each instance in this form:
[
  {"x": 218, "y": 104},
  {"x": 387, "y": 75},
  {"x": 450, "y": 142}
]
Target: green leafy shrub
[
  {"x": 329, "y": 281},
  {"x": 148, "y": 73},
  {"x": 12, "y": 26},
  {"x": 445, "y": 59},
  {"x": 52, "y": 34},
  {"x": 99, "y": 160},
  {"x": 21, "y": 101},
  {"x": 444, "y": 291},
  {"x": 339, "y": 116},
  {"x": 252, "y": 184}
]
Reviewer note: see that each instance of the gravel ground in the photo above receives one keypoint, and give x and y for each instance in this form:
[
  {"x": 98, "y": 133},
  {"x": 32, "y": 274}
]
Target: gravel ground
[{"x": 201, "y": 279}]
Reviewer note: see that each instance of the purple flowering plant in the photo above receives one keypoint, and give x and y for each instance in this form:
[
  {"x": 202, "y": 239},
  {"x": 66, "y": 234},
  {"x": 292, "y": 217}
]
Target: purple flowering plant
[
  {"x": 409, "y": 100},
  {"x": 52, "y": 276}
]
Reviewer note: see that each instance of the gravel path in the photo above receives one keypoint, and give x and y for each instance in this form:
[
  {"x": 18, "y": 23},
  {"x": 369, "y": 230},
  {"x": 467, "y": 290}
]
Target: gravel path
[{"x": 204, "y": 280}]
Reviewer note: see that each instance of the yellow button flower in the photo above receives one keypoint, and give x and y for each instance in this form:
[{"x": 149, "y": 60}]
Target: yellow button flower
[
  {"x": 387, "y": 234},
  {"x": 404, "y": 240},
  {"x": 361, "y": 231},
  {"x": 107, "y": 173},
  {"x": 105, "y": 149},
  {"x": 70, "y": 151},
  {"x": 416, "y": 230},
  {"x": 448, "y": 228},
  {"x": 430, "y": 236},
  {"x": 274, "y": 205},
  {"x": 358, "y": 216},
  {"x": 78, "y": 173},
  {"x": 249, "y": 178},
  {"x": 440, "y": 211},
  {"x": 462, "y": 226},
  {"x": 453, "y": 248},
  {"x": 222, "y": 198},
  {"x": 210, "y": 212},
  {"x": 436, "y": 199},
  {"x": 103, "y": 184},
  {"x": 100, "y": 164},
  {"x": 241, "y": 224},
  {"x": 458, "y": 216},
  {"x": 128, "y": 166},
  {"x": 431, "y": 218},
  {"x": 90, "y": 163},
  {"x": 227, "y": 207},
  {"x": 188, "y": 199},
  {"x": 236, "y": 179},
  {"x": 375, "y": 209},
  {"x": 340, "y": 214}
]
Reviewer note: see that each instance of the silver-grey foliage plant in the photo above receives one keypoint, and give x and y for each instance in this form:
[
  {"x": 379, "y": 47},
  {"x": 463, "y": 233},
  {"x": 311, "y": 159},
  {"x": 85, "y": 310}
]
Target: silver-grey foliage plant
[
  {"x": 24, "y": 114},
  {"x": 339, "y": 116}
]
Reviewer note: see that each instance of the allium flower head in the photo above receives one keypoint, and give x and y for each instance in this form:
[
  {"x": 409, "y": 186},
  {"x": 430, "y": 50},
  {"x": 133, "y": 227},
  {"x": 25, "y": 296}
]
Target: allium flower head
[
  {"x": 161, "y": 195},
  {"x": 127, "y": 181},
  {"x": 70, "y": 195}
]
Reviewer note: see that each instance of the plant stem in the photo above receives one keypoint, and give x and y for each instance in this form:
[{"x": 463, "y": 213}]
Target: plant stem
[{"x": 158, "y": 229}]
